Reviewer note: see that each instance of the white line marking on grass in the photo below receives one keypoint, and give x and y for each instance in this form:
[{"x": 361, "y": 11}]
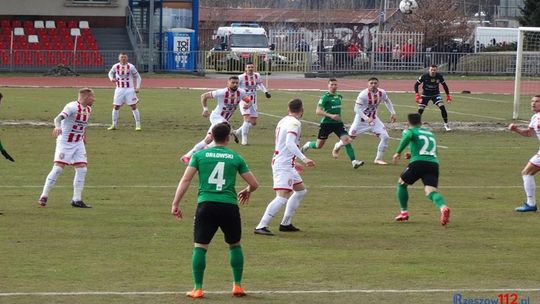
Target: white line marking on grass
[
  {"x": 142, "y": 293},
  {"x": 262, "y": 186}
]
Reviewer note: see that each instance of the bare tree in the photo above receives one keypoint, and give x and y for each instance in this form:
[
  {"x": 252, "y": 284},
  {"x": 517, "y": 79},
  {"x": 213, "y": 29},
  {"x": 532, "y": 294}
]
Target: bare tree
[{"x": 439, "y": 21}]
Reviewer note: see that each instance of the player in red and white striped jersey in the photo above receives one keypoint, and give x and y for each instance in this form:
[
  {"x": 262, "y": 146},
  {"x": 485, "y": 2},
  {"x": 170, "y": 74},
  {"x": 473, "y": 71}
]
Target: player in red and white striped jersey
[
  {"x": 367, "y": 120},
  {"x": 250, "y": 81},
  {"x": 228, "y": 100},
  {"x": 70, "y": 131},
  {"x": 123, "y": 74},
  {"x": 288, "y": 184}
]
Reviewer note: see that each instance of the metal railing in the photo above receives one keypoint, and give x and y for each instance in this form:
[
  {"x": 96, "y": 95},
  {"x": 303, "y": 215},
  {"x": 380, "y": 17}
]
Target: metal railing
[{"x": 488, "y": 63}]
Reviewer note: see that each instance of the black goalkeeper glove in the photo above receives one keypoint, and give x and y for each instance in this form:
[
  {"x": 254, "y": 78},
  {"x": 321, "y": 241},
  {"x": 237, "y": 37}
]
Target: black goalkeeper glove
[
  {"x": 267, "y": 95},
  {"x": 7, "y": 156}
]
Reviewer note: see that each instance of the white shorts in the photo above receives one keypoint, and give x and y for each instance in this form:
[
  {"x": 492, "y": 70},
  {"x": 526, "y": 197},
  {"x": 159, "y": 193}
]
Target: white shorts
[
  {"x": 285, "y": 178},
  {"x": 359, "y": 127},
  {"x": 70, "y": 154},
  {"x": 125, "y": 95},
  {"x": 214, "y": 120},
  {"x": 535, "y": 160},
  {"x": 251, "y": 111}
]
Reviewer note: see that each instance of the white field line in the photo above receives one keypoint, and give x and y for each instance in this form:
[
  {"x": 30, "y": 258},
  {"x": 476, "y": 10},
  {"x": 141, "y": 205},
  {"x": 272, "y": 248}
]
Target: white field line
[
  {"x": 378, "y": 291},
  {"x": 265, "y": 186}
]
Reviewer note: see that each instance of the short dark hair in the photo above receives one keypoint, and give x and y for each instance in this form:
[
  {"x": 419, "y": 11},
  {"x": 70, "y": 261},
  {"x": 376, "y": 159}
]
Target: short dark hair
[
  {"x": 414, "y": 119},
  {"x": 332, "y": 79},
  {"x": 220, "y": 132},
  {"x": 1, "y": 96},
  {"x": 234, "y": 77},
  {"x": 373, "y": 78},
  {"x": 533, "y": 96},
  {"x": 249, "y": 62},
  {"x": 433, "y": 66},
  {"x": 295, "y": 105}
]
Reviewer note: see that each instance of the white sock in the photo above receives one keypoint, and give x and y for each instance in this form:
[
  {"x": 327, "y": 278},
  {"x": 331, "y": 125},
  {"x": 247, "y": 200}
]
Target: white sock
[
  {"x": 339, "y": 144},
  {"x": 78, "y": 183},
  {"x": 115, "y": 117},
  {"x": 245, "y": 128},
  {"x": 137, "y": 117},
  {"x": 530, "y": 189},
  {"x": 51, "y": 180},
  {"x": 292, "y": 205},
  {"x": 273, "y": 208},
  {"x": 383, "y": 145},
  {"x": 198, "y": 147}
]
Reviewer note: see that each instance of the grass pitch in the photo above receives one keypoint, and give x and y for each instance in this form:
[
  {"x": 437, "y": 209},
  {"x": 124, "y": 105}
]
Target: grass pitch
[{"x": 129, "y": 242}]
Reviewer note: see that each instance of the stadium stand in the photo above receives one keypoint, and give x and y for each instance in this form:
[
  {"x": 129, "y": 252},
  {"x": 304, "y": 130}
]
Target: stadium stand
[{"x": 48, "y": 43}]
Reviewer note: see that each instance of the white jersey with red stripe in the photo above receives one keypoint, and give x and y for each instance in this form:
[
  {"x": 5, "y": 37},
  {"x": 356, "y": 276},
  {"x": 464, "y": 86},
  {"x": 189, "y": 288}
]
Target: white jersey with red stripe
[
  {"x": 535, "y": 125},
  {"x": 227, "y": 101},
  {"x": 74, "y": 123},
  {"x": 282, "y": 156},
  {"x": 367, "y": 103},
  {"x": 250, "y": 83},
  {"x": 124, "y": 75}
]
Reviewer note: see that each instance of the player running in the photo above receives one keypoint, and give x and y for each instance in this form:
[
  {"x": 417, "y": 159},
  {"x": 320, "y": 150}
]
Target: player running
[
  {"x": 366, "y": 119},
  {"x": 70, "y": 131},
  {"x": 423, "y": 165},
  {"x": 228, "y": 100},
  {"x": 533, "y": 166},
  {"x": 250, "y": 81},
  {"x": 329, "y": 107},
  {"x": 430, "y": 91},
  {"x": 123, "y": 73},
  {"x": 288, "y": 184}
]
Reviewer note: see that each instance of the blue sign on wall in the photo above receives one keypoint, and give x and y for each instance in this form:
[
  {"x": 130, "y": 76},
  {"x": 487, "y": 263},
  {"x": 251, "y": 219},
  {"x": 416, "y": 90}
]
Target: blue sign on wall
[{"x": 180, "y": 49}]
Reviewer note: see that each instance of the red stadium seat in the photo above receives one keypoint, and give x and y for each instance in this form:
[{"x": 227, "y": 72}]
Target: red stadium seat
[
  {"x": 28, "y": 24},
  {"x": 16, "y": 23},
  {"x": 60, "y": 24},
  {"x": 5, "y": 23},
  {"x": 72, "y": 24}
]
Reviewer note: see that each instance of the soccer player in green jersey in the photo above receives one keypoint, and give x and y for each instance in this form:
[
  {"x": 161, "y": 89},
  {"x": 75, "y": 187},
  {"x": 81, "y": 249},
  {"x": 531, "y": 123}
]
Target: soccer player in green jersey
[
  {"x": 2, "y": 150},
  {"x": 423, "y": 165},
  {"x": 217, "y": 204},
  {"x": 329, "y": 107}
]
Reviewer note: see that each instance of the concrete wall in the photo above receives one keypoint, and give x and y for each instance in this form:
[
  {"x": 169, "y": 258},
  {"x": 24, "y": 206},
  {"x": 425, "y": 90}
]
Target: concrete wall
[{"x": 59, "y": 8}]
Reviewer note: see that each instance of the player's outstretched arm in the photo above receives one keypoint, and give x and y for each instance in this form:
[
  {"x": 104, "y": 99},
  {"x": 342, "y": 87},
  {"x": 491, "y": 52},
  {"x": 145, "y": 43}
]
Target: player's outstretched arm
[
  {"x": 523, "y": 132},
  {"x": 245, "y": 194},
  {"x": 5, "y": 153},
  {"x": 204, "y": 103},
  {"x": 181, "y": 190}
]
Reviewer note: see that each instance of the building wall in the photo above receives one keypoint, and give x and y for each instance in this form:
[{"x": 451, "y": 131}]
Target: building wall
[{"x": 60, "y": 8}]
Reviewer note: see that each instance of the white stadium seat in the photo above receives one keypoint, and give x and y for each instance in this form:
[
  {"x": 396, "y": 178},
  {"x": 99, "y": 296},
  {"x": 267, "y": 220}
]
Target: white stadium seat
[
  {"x": 33, "y": 39},
  {"x": 18, "y": 31},
  {"x": 84, "y": 24},
  {"x": 39, "y": 24},
  {"x": 75, "y": 32},
  {"x": 50, "y": 24}
]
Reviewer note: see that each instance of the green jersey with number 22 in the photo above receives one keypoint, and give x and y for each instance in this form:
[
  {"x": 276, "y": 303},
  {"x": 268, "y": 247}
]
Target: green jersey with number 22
[
  {"x": 218, "y": 167},
  {"x": 422, "y": 144}
]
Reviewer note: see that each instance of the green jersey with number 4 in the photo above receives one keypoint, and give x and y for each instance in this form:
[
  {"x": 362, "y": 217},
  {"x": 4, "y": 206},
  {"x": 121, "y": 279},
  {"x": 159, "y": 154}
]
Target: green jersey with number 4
[
  {"x": 422, "y": 144},
  {"x": 218, "y": 167}
]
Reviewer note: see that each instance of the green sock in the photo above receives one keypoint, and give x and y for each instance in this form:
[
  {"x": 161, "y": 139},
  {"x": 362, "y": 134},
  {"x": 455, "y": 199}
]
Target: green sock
[
  {"x": 403, "y": 196},
  {"x": 313, "y": 144},
  {"x": 437, "y": 199},
  {"x": 236, "y": 258},
  {"x": 350, "y": 151},
  {"x": 198, "y": 264}
]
